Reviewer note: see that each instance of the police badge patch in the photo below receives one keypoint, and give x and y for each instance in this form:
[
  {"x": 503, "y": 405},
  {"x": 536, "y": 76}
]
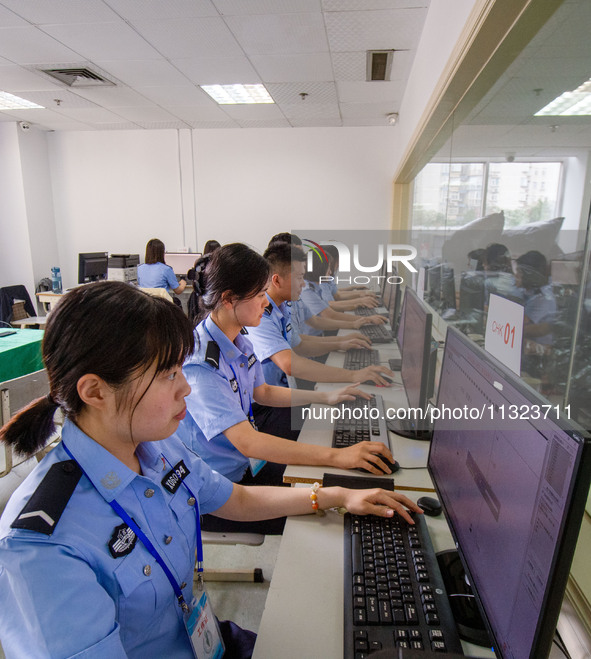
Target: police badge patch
[{"x": 122, "y": 541}]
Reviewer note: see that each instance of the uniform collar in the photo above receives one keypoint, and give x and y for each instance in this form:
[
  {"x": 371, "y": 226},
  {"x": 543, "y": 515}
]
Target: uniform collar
[
  {"x": 108, "y": 474},
  {"x": 230, "y": 351}
]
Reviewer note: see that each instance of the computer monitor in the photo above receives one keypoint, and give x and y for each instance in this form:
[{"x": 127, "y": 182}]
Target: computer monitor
[
  {"x": 417, "y": 369},
  {"x": 396, "y": 315},
  {"x": 181, "y": 262},
  {"x": 471, "y": 305},
  {"x": 513, "y": 479},
  {"x": 92, "y": 266},
  {"x": 440, "y": 288}
]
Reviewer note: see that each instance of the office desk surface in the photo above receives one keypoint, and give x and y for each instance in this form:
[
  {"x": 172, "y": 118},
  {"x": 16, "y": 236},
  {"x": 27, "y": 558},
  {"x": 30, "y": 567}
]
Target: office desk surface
[
  {"x": 303, "y": 615},
  {"x": 20, "y": 353}
]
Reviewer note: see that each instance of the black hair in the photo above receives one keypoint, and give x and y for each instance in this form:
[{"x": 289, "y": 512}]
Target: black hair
[
  {"x": 319, "y": 267},
  {"x": 110, "y": 329},
  {"x": 534, "y": 270},
  {"x": 285, "y": 237},
  {"x": 236, "y": 269},
  {"x": 497, "y": 258},
  {"x": 155, "y": 251},
  {"x": 281, "y": 255},
  {"x": 210, "y": 246}
]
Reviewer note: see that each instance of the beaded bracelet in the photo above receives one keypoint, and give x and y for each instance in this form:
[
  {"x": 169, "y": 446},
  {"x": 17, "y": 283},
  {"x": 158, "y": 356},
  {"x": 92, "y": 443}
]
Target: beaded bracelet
[{"x": 314, "y": 498}]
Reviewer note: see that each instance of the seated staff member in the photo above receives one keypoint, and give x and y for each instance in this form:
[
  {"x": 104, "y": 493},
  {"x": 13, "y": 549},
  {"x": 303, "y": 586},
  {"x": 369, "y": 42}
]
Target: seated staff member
[
  {"x": 312, "y": 298},
  {"x": 226, "y": 379},
  {"x": 339, "y": 299},
  {"x": 154, "y": 273},
  {"x": 303, "y": 318},
  {"x": 274, "y": 338},
  {"x": 86, "y": 538}
]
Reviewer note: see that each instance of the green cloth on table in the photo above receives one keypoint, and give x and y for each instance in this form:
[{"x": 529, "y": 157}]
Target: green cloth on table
[{"x": 20, "y": 353}]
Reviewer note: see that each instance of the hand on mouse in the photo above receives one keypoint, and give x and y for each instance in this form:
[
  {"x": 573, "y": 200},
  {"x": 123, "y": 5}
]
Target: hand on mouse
[
  {"x": 374, "y": 375},
  {"x": 364, "y": 455}
]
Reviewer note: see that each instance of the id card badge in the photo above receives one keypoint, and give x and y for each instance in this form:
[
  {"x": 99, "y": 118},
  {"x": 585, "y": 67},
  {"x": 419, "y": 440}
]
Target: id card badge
[
  {"x": 256, "y": 465},
  {"x": 203, "y": 630}
]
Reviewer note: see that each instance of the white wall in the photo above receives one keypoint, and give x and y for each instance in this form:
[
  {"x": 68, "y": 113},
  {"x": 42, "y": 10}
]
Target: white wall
[
  {"x": 16, "y": 265},
  {"x": 251, "y": 184},
  {"x": 115, "y": 190}
]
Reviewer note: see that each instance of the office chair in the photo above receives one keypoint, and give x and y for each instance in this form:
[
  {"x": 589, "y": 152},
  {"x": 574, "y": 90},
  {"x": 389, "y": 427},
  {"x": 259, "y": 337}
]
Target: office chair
[{"x": 222, "y": 538}]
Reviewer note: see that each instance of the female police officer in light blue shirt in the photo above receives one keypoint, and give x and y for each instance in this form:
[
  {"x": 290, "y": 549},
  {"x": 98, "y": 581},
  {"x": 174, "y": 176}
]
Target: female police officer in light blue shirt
[
  {"x": 226, "y": 379},
  {"x": 97, "y": 546},
  {"x": 154, "y": 273}
]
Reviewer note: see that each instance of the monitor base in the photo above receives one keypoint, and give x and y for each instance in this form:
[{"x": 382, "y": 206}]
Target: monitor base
[{"x": 463, "y": 605}]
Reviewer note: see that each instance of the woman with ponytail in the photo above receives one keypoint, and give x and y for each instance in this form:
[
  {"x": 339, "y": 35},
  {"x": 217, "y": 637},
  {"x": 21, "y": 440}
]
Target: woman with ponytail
[{"x": 97, "y": 545}]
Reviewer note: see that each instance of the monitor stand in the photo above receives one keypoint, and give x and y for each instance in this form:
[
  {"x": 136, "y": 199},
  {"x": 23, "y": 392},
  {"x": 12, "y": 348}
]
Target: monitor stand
[
  {"x": 463, "y": 605},
  {"x": 422, "y": 430}
]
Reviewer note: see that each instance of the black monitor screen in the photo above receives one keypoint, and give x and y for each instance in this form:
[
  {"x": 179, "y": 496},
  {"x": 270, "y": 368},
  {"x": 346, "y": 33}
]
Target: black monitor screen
[
  {"x": 396, "y": 315},
  {"x": 513, "y": 491},
  {"x": 417, "y": 349},
  {"x": 92, "y": 266}
]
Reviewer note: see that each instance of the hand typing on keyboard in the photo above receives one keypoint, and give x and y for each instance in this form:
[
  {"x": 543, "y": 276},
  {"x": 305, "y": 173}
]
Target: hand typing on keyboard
[
  {"x": 348, "y": 342},
  {"x": 368, "y": 320},
  {"x": 382, "y": 503}
]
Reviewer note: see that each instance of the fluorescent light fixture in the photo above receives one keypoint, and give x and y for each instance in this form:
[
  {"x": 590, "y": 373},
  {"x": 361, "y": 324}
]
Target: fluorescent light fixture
[
  {"x": 570, "y": 104},
  {"x": 11, "y": 102},
  {"x": 234, "y": 94}
]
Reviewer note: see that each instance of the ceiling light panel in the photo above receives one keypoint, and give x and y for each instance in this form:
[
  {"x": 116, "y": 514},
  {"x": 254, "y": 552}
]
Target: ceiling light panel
[
  {"x": 233, "y": 94},
  {"x": 575, "y": 103},
  {"x": 11, "y": 102}
]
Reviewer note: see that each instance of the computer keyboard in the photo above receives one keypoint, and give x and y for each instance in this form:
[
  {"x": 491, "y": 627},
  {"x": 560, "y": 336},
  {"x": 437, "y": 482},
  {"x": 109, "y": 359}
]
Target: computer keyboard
[
  {"x": 358, "y": 358},
  {"x": 394, "y": 592},
  {"x": 349, "y": 430},
  {"x": 377, "y": 333}
]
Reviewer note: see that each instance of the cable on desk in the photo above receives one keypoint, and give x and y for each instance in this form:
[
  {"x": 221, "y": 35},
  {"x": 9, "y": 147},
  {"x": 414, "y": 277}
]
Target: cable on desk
[{"x": 403, "y": 467}]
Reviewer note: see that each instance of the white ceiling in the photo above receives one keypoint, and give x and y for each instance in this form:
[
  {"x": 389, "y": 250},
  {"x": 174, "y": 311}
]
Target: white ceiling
[
  {"x": 157, "y": 52},
  {"x": 558, "y": 59}
]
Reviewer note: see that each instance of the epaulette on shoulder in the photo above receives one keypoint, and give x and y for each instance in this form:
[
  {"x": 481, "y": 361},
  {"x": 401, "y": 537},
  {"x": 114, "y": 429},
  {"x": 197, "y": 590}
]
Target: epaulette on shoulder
[
  {"x": 212, "y": 354},
  {"x": 269, "y": 309},
  {"x": 244, "y": 331},
  {"x": 45, "y": 507}
]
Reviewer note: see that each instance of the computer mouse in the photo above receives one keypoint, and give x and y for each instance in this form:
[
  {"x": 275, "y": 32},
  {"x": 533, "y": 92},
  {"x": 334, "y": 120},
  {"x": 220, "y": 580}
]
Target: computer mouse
[
  {"x": 429, "y": 506},
  {"x": 384, "y": 377},
  {"x": 394, "y": 466}
]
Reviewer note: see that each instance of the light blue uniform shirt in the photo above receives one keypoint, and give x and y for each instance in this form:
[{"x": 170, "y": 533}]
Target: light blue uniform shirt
[
  {"x": 156, "y": 275},
  {"x": 327, "y": 291},
  {"x": 63, "y": 592},
  {"x": 312, "y": 298},
  {"x": 222, "y": 376},
  {"x": 274, "y": 334},
  {"x": 299, "y": 315}
]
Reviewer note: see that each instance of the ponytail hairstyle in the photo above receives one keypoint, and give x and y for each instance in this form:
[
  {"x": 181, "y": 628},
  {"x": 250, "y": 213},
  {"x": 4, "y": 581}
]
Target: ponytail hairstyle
[
  {"x": 110, "y": 329},
  {"x": 233, "y": 269}
]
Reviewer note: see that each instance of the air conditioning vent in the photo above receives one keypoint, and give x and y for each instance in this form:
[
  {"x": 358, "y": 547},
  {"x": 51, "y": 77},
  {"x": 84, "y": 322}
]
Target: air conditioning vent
[
  {"x": 79, "y": 77},
  {"x": 379, "y": 64}
]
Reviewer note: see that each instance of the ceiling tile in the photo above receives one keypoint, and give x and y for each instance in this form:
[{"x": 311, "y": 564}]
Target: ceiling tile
[
  {"x": 317, "y": 92},
  {"x": 253, "y": 112},
  {"x": 213, "y": 124},
  {"x": 140, "y": 73},
  {"x": 16, "y": 78},
  {"x": 114, "y": 97},
  {"x": 371, "y": 92},
  {"x": 168, "y": 95},
  {"x": 192, "y": 37},
  {"x": 212, "y": 112},
  {"x": 233, "y": 7},
  {"x": 374, "y": 30},
  {"x": 293, "y": 67},
  {"x": 220, "y": 70},
  {"x": 353, "y": 65},
  {"x": 90, "y": 115},
  {"x": 41, "y": 12},
  {"x": 143, "y": 115},
  {"x": 280, "y": 33},
  {"x": 264, "y": 123},
  {"x": 10, "y": 19},
  {"x": 152, "y": 10},
  {"x": 102, "y": 41},
  {"x": 26, "y": 45},
  {"x": 48, "y": 99},
  {"x": 369, "y": 5}
]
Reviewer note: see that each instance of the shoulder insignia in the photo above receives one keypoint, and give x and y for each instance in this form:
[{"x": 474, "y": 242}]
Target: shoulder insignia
[
  {"x": 288, "y": 303},
  {"x": 288, "y": 328},
  {"x": 45, "y": 507},
  {"x": 251, "y": 360},
  {"x": 212, "y": 354},
  {"x": 269, "y": 309},
  {"x": 244, "y": 331}
]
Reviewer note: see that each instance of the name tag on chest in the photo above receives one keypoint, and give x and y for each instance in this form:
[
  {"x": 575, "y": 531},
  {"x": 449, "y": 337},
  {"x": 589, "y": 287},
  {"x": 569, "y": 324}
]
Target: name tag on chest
[{"x": 173, "y": 479}]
